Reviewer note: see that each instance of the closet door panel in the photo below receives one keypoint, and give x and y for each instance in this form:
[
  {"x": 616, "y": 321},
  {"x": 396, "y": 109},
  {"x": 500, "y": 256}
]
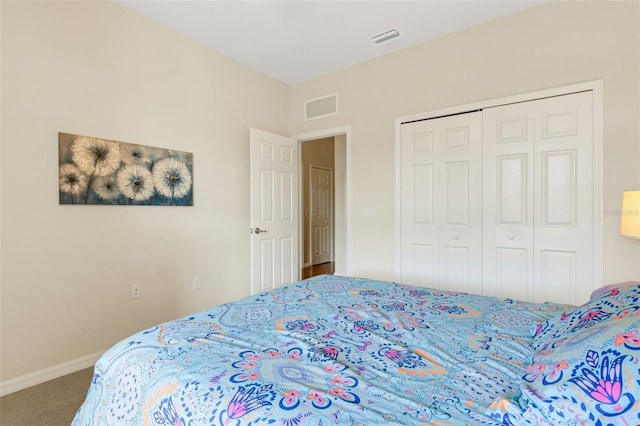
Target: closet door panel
[
  {"x": 508, "y": 201},
  {"x": 512, "y": 268},
  {"x": 458, "y": 268},
  {"x": 422, "y": 195},
  {"x": 419, "y": 194},
  {"x": 563, "y": 238},
  {"x": 441, "y": 199},
  {"x": 558, "y": 275},
  {"x": 511, "y": 190},
  {"x": 420, "y": 268},
  {"x": 559, "y": 188},
  {"x": 456, "y": 193},
  {"x": 460, "y": 203}
]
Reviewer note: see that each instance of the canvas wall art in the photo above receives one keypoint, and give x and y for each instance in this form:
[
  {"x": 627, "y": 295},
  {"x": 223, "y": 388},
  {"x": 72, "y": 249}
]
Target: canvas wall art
[{"x": 102, "y": 171}]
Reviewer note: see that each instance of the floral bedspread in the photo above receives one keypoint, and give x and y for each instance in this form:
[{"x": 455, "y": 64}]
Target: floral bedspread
[{"x": 328, "y": 350}]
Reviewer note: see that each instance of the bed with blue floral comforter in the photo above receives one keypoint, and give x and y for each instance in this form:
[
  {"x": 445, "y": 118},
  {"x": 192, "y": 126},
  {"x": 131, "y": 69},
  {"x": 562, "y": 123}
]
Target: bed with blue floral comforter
[{"x": 334, "y": 351}]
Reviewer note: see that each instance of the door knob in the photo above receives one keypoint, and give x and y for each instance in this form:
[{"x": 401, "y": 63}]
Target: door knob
[{"x": 258, "y": 230}]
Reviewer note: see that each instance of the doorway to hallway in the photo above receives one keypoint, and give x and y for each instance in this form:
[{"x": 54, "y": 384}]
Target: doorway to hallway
[{"x": 337, "y": 143}]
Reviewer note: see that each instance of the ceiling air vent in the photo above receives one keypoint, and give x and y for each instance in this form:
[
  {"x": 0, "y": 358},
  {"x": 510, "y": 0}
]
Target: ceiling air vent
[
  {"x": 386, "y": 37},
  {"x": 321, "y": 107}
]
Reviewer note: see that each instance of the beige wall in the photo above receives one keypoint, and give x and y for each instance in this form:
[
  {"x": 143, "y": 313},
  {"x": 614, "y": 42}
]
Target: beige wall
[
  {"x": 95, "y": 68},
  {"x": 555, "y": 44},
  {"x": 319, "y": 152}
]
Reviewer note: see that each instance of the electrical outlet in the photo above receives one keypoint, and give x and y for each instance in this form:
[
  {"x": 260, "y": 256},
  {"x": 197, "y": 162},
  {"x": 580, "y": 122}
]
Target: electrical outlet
[
  {"x": 135, "y": 291},
  {"x": 197, "y": 282}
]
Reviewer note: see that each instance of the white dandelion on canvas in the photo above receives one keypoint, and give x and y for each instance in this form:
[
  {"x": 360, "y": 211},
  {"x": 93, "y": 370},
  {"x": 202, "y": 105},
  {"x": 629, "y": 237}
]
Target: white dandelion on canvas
[
  {"x": 101, "y": 171},
  {"x": 107, "y": 187},
  {"x": 172, "y": 178},
  {"x": 71, "y": 180},
  {"x": 135, "y": 182}
]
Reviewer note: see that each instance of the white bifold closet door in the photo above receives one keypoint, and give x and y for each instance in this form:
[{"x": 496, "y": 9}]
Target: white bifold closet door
[
  {"x": 501, "y": 201},
  {"x": 538, "y": 199},
  {"x": 441, "y": 203}
]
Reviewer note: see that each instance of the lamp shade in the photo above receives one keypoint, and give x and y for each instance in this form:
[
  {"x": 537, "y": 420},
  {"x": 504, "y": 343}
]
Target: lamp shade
[{"x": 630, "y": 214}]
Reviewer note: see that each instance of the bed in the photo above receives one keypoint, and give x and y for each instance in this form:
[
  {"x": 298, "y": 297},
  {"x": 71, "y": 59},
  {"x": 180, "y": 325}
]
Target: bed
[{"x": 335, "y": 350}]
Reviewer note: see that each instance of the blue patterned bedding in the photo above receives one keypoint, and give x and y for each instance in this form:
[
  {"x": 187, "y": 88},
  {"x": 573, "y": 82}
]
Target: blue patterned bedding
[{"x": 325, "y": 351}]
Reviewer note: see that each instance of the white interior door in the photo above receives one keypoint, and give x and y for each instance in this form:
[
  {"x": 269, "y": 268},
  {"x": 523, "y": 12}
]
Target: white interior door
[
  {"x": 274, "y": 210},
  {"x": 441, "y": 203},
  {"x": 321, "y": 216}
]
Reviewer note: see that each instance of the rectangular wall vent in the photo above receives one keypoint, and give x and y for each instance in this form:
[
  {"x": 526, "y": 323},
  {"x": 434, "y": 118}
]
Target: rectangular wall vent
[
  {"x": 321, "y": 107},
  {"x": 386, "y": 37}
]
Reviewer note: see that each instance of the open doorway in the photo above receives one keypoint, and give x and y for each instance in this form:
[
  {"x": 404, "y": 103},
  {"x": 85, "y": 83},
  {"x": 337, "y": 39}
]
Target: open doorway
[
  {"x": 323, "y": 204},
  {"x": 318, "y": 201}
]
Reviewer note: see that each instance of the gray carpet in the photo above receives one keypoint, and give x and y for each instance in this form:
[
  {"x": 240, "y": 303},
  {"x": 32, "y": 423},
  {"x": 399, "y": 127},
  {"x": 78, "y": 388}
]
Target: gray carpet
[{"x": 52, "y": 403}]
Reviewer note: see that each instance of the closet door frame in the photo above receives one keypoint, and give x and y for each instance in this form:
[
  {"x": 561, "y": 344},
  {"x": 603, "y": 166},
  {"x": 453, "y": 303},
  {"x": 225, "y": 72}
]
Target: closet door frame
[{"x": 597, "y": 89}]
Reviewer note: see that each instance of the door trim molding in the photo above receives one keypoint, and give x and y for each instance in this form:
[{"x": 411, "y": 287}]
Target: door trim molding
[
  {"x": 326, "y": 133},
  {"x": 595, "y": 86}
]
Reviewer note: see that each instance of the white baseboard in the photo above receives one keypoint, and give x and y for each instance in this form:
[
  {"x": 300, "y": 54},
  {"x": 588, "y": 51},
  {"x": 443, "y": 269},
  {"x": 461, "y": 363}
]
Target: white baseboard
[{"x": 41, "y": 376}]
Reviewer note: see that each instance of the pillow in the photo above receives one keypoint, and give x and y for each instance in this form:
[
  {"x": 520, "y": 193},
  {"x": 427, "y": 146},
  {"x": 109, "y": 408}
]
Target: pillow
[
  {"x": 608, "y": 288},
  {"x": 591, "y": 377},
  {"x": 613, "y": 303}
]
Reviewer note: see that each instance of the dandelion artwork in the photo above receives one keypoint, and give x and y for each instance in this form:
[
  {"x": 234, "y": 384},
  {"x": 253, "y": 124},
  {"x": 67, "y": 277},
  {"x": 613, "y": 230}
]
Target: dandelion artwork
[{"x": 101, "y": 171}]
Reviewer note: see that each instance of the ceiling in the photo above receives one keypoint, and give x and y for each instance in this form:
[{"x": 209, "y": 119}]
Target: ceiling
[{"x": 294, "y": 41}]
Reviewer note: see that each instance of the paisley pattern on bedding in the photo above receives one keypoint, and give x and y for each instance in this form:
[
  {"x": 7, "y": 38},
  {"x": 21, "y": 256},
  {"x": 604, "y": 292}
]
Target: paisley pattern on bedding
[
  {"x": 615, "y": 302},
  {"x": 587, "y": 371},
  {"x": 326, "y": 351}
]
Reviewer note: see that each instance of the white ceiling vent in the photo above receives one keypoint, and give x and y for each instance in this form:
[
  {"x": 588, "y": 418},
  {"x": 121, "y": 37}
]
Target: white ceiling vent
[
  {"x": 386, "y": 37},
  {"x": 321, "y": 107}
]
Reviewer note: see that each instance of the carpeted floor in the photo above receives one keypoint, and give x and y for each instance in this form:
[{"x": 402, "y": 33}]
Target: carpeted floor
[{"x": 52, "y": 403}]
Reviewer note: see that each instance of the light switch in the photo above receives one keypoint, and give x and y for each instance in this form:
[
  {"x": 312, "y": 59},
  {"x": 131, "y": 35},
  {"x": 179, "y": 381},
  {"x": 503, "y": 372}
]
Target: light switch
[{"x": 369, "y": 213}]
